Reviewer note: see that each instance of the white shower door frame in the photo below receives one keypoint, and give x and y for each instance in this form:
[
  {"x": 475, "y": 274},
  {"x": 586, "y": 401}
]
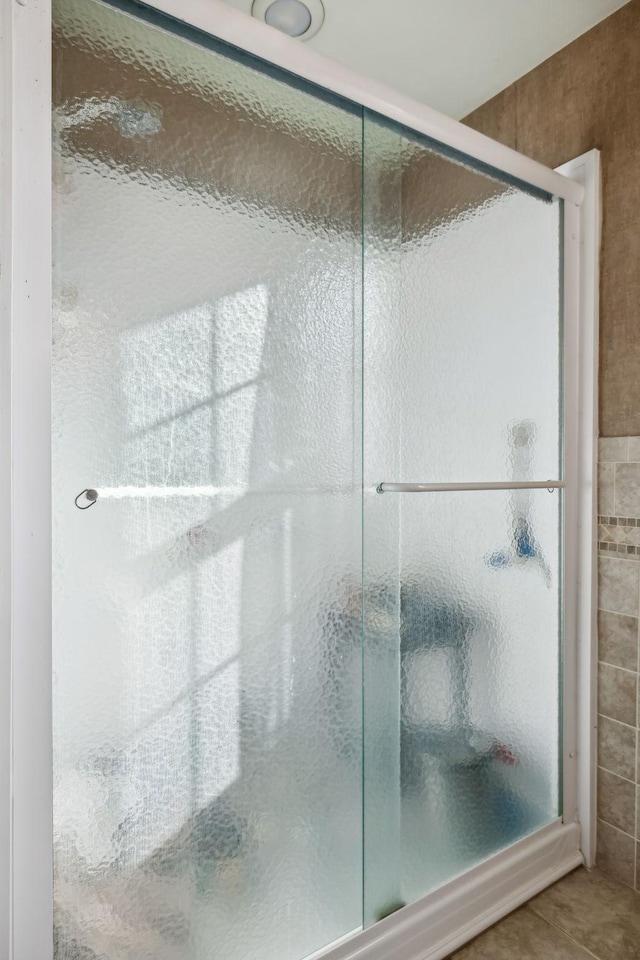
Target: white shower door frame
[{"x": 433, "y": 926}]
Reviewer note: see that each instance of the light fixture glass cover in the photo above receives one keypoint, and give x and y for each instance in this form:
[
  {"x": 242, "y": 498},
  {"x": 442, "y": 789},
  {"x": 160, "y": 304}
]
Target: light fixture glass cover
[
  {"x": 290, "y": 16},
  {"x": 297, "y": 18}
]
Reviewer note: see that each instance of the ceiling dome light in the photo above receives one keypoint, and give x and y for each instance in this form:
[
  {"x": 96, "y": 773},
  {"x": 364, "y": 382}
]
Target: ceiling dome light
[
  {"x": 290, "y": 16},
  {"x": 296, "y": 18}
]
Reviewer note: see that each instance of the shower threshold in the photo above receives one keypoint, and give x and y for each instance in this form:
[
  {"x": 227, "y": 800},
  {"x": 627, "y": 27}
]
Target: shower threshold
[{"x": 443, "y": 920}]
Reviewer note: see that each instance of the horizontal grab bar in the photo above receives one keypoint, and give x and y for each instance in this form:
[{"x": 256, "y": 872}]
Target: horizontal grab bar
[{"x": 446, "y": 487}]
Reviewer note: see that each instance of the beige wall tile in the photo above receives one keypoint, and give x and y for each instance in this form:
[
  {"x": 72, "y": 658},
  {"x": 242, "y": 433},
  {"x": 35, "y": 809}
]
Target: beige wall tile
[
  {"x": 617, "y": 694},
  {"x": 606, "y": 504},
  {"x": 618, "y": 585},
  {"x": 633, "y": 452},
  {"x": 617, "y": 747},
  {"x": 627, "y": 490},
  {"x": 612, "y": 448},
  {"x": 617, "y": 801},
  {"x": 615, "y": 853},
  {"x": 618, "y": 639},
  {"x": 497, "y": 117}
]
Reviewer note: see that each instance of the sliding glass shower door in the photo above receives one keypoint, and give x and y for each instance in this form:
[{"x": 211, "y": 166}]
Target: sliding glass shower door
[
  {"x": 307, "y": 571},
  {"x": 462, "y": 347},
  {"x": 207, "y": 607}
]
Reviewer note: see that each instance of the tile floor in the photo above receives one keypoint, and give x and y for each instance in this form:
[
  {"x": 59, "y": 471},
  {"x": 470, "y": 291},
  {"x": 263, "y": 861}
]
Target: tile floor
[{"x": 585, "y": 915}]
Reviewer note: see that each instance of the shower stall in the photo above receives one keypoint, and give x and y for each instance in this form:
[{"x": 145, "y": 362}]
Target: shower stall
[{"x": 318, "y": 487}]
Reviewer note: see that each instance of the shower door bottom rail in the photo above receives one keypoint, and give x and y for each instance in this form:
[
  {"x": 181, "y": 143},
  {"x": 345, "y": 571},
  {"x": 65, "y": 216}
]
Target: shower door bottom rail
[
  {"x": 439, "y": 923},
  {"x": 549, "y": 485}
]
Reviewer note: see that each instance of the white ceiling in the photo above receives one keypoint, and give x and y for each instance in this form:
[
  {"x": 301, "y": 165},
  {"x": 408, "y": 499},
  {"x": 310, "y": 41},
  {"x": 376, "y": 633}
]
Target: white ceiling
[{"x": 450, "y": 54}]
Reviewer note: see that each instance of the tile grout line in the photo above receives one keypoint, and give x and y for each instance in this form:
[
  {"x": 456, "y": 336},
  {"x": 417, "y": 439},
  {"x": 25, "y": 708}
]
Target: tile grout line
[
  {"x": 623, "y": 558},
  {"x": 615, "y": 665},
  {"x": 624, "y": 834},
  {"x": 617, "y": 555},
  {"x": 618, "y": 775},
  {"x": 564, "y": 933},
  {"x": 617, "y": 612},
  {"x": 604, "y": 716}
]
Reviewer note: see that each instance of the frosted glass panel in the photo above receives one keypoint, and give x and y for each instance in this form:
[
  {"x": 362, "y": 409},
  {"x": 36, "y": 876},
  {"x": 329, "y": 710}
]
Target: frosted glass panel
[
  {"x": 462, "y": 382},
  {"x": 479, "y": 665},
  {"x": 207, "y": 609},
  {"x": 383, "y": 357},
  {"x": 209, "y": 356},
  {"x": 474, "y": 266}
]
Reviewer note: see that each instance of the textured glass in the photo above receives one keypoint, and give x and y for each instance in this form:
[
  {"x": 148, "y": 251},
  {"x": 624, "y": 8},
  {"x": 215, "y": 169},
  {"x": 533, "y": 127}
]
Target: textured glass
[
  {"x": 462, "y": 329},
  {"x": 479, "y": 662},
  {"x": 207, "y": 609},
  {"x": 208, "y": 367},
  {"x": 475, "y": 268},
  {"x": 382, "y": 223}
]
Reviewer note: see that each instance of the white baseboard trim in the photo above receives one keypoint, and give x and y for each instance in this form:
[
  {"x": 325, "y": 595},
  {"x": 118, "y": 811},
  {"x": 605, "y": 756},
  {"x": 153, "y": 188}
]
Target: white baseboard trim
[{"x": 444, "y": 920}]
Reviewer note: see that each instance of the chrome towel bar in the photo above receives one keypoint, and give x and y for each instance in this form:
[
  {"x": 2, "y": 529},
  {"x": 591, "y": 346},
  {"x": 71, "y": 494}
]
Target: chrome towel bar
[{"x": 446, "y": 487}]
